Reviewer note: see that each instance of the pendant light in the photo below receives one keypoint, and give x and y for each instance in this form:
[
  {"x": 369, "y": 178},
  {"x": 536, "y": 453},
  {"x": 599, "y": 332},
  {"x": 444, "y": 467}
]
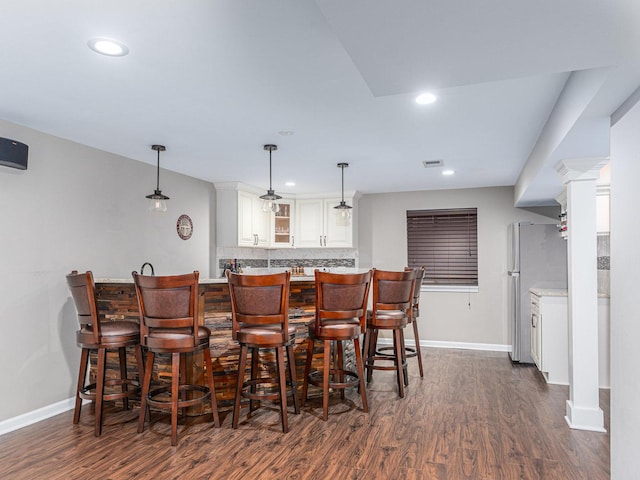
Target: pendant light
[
  {"x": 158, "y": 201},
  {"x": 270, "y": 203},
  {"x": 343, "y": 209}
]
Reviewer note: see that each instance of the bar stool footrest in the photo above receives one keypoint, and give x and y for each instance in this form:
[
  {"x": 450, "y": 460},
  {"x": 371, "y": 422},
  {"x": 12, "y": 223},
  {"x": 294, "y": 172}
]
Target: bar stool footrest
[
  {"x": 315, "y": 378},
  {"x": 369, "y": 363},
  {"x": 205, "y": 394},
  {"x": 409, "y": 351},
  {"x": 88, "y": 391}
]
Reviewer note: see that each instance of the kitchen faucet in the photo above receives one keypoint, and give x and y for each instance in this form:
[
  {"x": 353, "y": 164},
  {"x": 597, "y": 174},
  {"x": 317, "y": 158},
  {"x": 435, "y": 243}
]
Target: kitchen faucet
[{"x": 144, "y": 265}]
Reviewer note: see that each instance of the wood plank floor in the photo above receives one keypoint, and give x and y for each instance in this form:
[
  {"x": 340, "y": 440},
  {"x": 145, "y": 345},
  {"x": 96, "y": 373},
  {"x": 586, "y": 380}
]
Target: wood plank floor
[{"x": 473, "y": 416}]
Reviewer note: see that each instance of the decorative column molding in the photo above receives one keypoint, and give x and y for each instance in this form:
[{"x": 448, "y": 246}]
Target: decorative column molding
[
  {"x": 587, "y": 168},
  {"x": 583, "y": 406}
]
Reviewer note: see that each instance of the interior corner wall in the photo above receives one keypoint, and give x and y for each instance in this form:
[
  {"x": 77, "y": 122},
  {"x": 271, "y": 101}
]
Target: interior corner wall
[
  {"x": 449, "y": 316},
  {"x": 79, "y": 208},
  {"x": 625, "y": 327}
]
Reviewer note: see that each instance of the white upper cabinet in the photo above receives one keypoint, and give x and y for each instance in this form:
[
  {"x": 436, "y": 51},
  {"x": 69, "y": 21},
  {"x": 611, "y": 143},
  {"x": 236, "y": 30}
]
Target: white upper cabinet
[
  {"x": 319, "y": 225},
  {"x": 240, "y": 220},
  {"x": 338, "y": 228},
  {"x": 253, "y": 222},
  {"x": 304, "y": 223},
  {"x": 282, "y": 233}
]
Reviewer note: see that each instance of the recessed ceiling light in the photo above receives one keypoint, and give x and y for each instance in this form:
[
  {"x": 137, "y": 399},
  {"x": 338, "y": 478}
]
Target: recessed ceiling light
[
  {"x": 285, "y": 133},
  {"x": 426, "y": 98},
  {"x": 448, "y": 172},
  {"x": 108, "y": 46},
  {"x": 290, "y": 184}
]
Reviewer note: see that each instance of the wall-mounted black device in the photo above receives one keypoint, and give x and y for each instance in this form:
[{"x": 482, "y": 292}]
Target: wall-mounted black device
[{"x": 13, "y": 153}]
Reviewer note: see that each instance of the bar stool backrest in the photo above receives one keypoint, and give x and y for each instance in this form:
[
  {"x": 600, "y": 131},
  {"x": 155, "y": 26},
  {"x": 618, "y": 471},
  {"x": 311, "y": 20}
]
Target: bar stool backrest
[
  {"x": 83, "y": 292},
  {"x": 415, "y": 306},
  {"x": 342, "y": 297},
  {"x": 260, "y": 300},
  {"x": 168, "y": 307},
  {"x": 393, "y": 290}
]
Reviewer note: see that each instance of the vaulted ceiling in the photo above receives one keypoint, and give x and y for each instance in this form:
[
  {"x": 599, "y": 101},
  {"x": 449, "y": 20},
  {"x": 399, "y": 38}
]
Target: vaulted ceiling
[{"x": 328, "y": 81}]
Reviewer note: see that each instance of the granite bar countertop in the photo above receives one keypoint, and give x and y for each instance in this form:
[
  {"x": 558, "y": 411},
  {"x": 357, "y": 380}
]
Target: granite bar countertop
[
  {"x": 556, "y": 292},
  {"x": 307, "y": 277},
  {"x": 201, "y": 280}
]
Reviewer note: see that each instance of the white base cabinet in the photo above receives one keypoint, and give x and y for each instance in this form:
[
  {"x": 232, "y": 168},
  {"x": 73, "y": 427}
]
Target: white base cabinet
[{"x": 550, "y": 336}]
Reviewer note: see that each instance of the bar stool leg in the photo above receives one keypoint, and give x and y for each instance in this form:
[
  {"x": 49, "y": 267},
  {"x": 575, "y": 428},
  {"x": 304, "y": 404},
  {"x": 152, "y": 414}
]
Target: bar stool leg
[
  {"x": 360, "y": 367},
  {"x": 416, "y": 336},
  {"x": 144, "y": 410},
  {"x": 307, "y": 370},
  {"x": 82, "y": 376},
  {"x": 102, "y": 353},
  {"x": 122, "y": 356},
  {"x": 405, "y": 372},
  {"x": 340, "y": 366},
  {"x": 212, "y": 387},
  {"x": 325, "y": 380},
  {"x": 397, "y": 345},
  {"x": 282, "y": 382},
  {"x": 242, "y": 365},
  {"x": 255, "y": 357},
  {"x": 292, "y": 373},
  {"x": 175, "y": 384},
  {"x": 140, "y": 363}
]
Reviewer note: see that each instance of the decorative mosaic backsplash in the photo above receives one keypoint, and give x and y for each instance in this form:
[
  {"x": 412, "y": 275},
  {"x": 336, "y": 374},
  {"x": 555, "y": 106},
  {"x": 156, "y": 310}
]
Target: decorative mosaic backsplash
[
  {"x": 290, "y": 262},
  {"x": 287, "y": 258},
  {"x": 604, "y": 276}
]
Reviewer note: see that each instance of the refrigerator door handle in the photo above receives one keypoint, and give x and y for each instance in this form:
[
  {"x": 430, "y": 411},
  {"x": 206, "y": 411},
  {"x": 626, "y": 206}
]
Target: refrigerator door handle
[{"x": 513, "y": 273}]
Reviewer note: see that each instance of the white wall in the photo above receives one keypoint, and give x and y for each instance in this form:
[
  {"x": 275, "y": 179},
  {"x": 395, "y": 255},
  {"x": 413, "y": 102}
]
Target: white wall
[
  {"x": 78, "y": 208},
  {"x": 625, "y": 320},
  {"x": 447, "y": 317}
]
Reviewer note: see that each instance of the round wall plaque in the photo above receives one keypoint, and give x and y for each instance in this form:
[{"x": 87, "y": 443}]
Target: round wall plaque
[{"x": 184, "y": 226}]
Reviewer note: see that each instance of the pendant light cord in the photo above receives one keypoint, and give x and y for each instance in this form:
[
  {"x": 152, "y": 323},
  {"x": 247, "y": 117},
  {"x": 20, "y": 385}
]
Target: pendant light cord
[
  {"x": 158, "y": 172},
  {"x": 270, "y": 187}
]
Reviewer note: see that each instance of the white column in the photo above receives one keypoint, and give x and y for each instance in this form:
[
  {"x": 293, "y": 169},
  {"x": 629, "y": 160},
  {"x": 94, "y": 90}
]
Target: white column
[{"x": 583, "y": 406}]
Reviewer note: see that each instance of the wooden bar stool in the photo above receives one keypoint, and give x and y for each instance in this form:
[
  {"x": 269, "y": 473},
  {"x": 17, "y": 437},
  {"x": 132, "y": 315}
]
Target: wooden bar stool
[
  {"x": 414, "y": 313},
  {"x": 392, "y": 297},
  {"x": 341, "y": 306},
  {"x": 168, "y": 308},
  {"x": 260, "y": 320},
  {"x": 101, "y": 335}
]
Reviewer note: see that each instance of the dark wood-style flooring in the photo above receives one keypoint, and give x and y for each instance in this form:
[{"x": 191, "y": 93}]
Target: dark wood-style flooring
[{"x": 473, "y": 416}]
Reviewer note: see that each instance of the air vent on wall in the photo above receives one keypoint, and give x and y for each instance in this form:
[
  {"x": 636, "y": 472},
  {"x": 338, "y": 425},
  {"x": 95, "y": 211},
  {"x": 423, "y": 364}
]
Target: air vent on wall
[{"x": 432, "y": 163}]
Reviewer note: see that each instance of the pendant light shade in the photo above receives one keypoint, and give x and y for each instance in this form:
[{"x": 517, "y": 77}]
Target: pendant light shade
[
  {"x": 270, "y": 199},
  {"x": 158, "y": 201},
  {"x": 343, "y": 209}
]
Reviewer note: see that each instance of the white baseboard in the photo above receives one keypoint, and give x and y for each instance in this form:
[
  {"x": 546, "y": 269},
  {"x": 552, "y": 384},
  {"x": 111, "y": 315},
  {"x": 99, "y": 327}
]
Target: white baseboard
[
  {"x": 491, "y": 347},
  {"x": 11, "y": 424}
]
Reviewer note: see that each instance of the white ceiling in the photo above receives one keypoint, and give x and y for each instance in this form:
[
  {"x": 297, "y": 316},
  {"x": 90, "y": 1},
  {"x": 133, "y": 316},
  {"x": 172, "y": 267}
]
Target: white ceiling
[{"x": 214, "y": 80}]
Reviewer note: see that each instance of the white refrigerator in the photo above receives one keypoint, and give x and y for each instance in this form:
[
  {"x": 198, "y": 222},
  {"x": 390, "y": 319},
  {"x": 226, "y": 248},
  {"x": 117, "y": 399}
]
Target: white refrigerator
[{"x": 537, "y": 258}]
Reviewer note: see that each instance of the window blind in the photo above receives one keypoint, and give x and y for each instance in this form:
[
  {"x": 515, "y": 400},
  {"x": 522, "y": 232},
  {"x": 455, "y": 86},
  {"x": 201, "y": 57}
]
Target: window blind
[{"x": 445, "y": 242}]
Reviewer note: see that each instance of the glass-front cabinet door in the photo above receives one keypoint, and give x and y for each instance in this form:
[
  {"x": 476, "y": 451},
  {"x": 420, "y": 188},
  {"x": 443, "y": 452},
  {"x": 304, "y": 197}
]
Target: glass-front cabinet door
[{"x": 282, "y": 225}]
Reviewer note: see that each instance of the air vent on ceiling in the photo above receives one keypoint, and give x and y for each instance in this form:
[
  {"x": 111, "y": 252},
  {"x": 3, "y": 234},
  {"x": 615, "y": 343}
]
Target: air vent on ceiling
[{"x": 432, "y": 163}]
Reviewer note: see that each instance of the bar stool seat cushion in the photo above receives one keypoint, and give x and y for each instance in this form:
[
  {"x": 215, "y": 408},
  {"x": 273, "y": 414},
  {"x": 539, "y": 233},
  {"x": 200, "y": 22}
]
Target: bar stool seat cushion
[
  {"x": 389, "y": 318},
  {"x": 179, "y": 339},
  {"x": 336, "y": 329},
  {"x": 111, "y": 332},
  {"x": 263, "y": 334}
]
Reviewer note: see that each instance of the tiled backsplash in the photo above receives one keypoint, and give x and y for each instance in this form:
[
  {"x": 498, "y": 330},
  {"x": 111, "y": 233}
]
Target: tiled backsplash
[
  {"x": 603, "y": 263},
  {"x": 285, "y": 258}
]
